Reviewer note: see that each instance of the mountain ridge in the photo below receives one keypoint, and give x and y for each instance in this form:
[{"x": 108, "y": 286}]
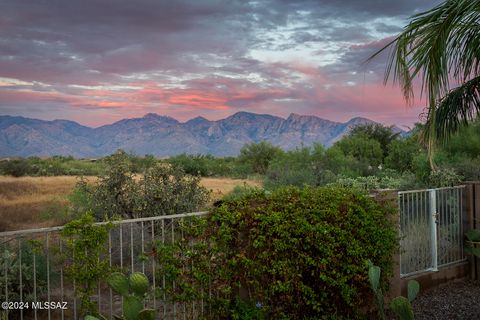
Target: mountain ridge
[{"x": 165, "y": 136}]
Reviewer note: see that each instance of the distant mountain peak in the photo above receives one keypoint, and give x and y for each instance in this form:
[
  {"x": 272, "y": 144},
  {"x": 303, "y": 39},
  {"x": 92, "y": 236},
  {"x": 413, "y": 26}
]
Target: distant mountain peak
[
  {"x": 198, "y": 120},
  {"x": 360, "y": 120},
  {"x": 165, "y": 136},
  {"x": 152, "y": 115}
]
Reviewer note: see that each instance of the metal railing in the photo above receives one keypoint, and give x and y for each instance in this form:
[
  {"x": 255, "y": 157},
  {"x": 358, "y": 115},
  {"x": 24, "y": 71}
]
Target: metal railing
[
  {"x": 32, "y": 272},
  {"x": 431, "y": 237},
  {"x": 431, "y": 229}
]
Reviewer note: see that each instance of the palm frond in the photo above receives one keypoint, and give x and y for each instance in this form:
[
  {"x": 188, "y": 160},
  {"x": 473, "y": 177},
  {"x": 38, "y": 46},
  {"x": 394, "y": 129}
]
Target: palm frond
[
  {"x": 437, "y": 46},
  {"x": 460, "y": 106}
]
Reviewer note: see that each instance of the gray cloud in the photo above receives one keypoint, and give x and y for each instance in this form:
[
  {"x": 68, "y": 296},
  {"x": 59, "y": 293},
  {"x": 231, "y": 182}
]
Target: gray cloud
[{"x": 196, "y": 45}]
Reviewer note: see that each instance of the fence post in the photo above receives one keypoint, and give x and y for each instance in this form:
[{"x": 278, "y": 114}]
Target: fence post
[
  {"x": 471, "y": 221},
  {"x": 433, "y": 228}
]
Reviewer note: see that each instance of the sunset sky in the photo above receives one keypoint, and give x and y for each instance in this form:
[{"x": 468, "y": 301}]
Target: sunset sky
[{"x": 96, "y": 62}]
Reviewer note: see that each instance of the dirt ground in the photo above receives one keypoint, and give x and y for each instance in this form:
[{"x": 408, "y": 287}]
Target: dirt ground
[
  {"x": 36, "y": 202},
  {"x": 454, "y": 300}
]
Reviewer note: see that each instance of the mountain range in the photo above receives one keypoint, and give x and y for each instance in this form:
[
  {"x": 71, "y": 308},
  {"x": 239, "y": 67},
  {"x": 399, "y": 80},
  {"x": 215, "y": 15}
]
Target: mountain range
[{"x": 165, "y": 136}]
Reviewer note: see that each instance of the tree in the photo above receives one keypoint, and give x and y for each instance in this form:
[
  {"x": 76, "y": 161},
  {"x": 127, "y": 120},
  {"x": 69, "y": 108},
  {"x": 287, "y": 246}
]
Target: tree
[
  {"x": 380, "y": 133},
  {"x": 366, "y": 150},
  {"x": 441, "y": 45},
  {"x": 162, "y": 190},
  {"x": 258, "y": 155},
  {"x": 401, "y": 154}
]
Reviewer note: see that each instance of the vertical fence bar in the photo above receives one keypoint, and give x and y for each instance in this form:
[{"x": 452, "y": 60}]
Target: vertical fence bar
[
  {"x": 444, "y": 225},
  {"x": 405, "y": 220},
  {"x": 153, "y": 265},
  {"x": 47, "y": 238},
  {"x": 425, "y": 220},
  {"x": 110, "y": 264},
  {"x": 74, "y": 297},
  {"x": 417, "y": 220},
  {"x": 62, "y": 291},
  {"x": 20, "y": 274},
  {"x": 182, "y": 226},
  {"x": 6, "y": 254},
  {"x": 143, "y": 246},
  {"x": 460, "y": 222},
  {"x": 121, "y": 247},
  {"x": 451, "y": 225},
  {"x": 457, "y": 223},
  {"x": 34, "y": 282},
  {"x": 131, "y": 247},
  {"x": 99, "y": 293},
  {"x": 433, "y": 228},
  {"x": 163, "y": 276},
  {"x": 173, "y": 282}
]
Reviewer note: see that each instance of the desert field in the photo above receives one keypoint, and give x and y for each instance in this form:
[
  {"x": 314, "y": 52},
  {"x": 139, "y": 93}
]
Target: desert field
[{"x": 36, "y": 202}]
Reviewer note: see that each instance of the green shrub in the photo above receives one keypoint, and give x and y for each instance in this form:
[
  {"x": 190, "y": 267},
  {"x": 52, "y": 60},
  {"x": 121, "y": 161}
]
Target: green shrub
[
  {"x": 54, "y": 166},
  {"x": 444, "y": 177},
  {"x": 258, "y": 155},
  {"x": 401, "y": 153},
  {"x": 162, "y": 190},
  {"x": 11, "y": 268},
  {"x": 388, "y": 179},
  {"x": 469, "y": 168},
  {"x": 16, "y": 168},
  {"x": 85, "y": 249},
  {"x": 298, "y": 253},
  {"x": 378, "y": 132}
]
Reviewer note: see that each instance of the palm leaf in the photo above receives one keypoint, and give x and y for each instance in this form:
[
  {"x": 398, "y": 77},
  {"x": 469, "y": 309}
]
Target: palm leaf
[
  {"x": 437, "y": 46},
  {"x": 460, "y": 106}
]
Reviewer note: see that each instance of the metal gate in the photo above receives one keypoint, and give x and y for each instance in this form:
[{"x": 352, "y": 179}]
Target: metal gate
[{"x": 431, "y": 229}]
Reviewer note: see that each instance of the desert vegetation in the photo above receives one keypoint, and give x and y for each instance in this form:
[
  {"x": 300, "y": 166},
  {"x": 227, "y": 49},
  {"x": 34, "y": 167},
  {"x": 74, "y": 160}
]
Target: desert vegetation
[
  {"x": 36, "y": 202},
  {"x": 289, "y": 254},
  {"x": 38, "y": 192}
]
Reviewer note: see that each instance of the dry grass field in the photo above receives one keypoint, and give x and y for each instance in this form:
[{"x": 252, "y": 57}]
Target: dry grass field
[{"x": 36, "y": 202}]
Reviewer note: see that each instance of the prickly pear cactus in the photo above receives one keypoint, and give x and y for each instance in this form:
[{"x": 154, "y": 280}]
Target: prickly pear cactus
[
  {"x": 139, "y": 283},
  {"x": 374, "y": 273},
  {"x": 402, "y": 308},
  {"x": 413, "y": 289},
  {"x": 119, "y": 283},
  {"x": 134, "y": 290}
]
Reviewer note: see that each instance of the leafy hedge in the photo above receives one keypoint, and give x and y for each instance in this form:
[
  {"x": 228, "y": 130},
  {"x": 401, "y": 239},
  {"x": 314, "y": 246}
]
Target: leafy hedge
[{"x": 293, "y": 253}]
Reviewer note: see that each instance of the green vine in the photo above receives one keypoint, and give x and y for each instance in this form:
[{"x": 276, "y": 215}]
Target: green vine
[
  {"x": 288, "y": 254},
  {"x": 85, "y": 248}
]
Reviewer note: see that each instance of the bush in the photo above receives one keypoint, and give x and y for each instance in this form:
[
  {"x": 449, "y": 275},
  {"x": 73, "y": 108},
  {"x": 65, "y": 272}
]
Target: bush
[
  {"x": 299, "y": 167},
  {"x": 297, "y": 253},
  {"x": 204, "y": 165},
  {"x": 16, "y": 168},
  {"x": 468, "y": 168},
  {"x": 258, "y": 155},
  {"x": 10, "y": 262},
  {"x": 85, "y": 247},
  {"x": 444, "y": 177},
  {"x": 53, "y": 166},
  {"x": 383, "y": 135},
  {"x": 401, "y": 153},
  {"x": 388, "y": 179},
  {"x": 162, "y": 190},
  {"x": 293, "y": 168}
]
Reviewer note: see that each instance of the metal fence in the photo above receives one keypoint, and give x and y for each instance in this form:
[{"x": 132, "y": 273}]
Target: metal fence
[
  {"x": 431, "y": 228},
  {"x": 31, "y": 270}
]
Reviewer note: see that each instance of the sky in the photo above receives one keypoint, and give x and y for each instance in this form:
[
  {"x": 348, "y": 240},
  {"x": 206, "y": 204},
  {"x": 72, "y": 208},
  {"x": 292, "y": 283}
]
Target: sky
[{"x": 97, "y": 62}]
